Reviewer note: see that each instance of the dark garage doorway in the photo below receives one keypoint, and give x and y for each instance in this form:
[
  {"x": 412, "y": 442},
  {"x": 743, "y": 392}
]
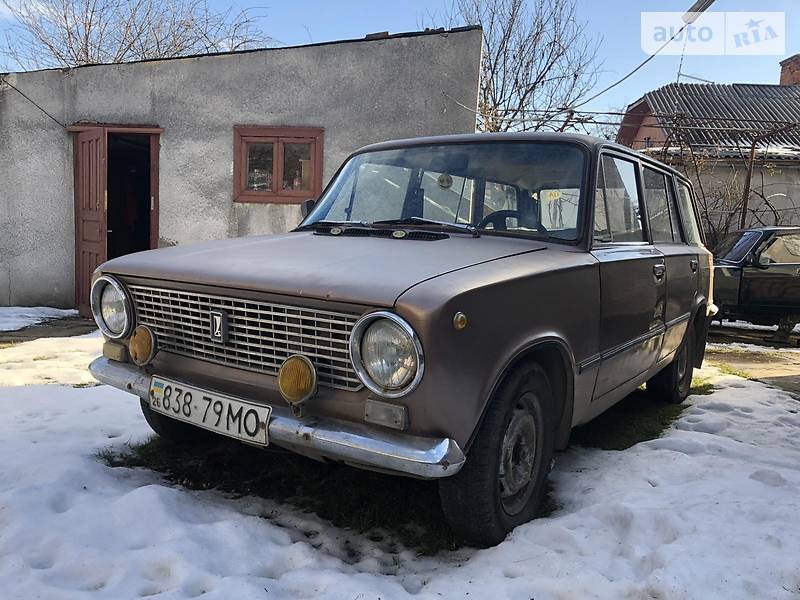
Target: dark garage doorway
[{"x": 128, "y": 217}]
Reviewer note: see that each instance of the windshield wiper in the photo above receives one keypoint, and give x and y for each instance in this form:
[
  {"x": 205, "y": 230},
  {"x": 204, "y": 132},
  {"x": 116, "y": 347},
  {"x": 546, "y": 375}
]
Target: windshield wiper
[
  {"x": 420, "y": 221},
  {"x": 316, "y": 224}
]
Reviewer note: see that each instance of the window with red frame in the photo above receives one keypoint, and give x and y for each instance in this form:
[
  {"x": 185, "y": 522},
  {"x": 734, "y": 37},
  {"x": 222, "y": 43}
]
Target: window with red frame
[{"x": 277, "y": 164}]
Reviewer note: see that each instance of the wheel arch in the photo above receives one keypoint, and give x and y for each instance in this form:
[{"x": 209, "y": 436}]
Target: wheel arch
[{"x": 555, "y": 357}]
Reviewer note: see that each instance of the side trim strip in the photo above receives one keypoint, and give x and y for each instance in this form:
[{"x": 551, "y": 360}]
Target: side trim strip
[
  {"x": 589, "y": 363},
  {"x": 612, "y": 352}
]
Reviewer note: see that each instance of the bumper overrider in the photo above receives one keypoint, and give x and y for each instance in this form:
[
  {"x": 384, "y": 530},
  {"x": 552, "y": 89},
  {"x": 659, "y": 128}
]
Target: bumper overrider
[{"x": 357, "y": 444}]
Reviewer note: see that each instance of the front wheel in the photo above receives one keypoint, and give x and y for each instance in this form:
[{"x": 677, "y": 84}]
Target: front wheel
[
  {"x": 672, "y": 383},
  {"x": 503, "y": 481}
]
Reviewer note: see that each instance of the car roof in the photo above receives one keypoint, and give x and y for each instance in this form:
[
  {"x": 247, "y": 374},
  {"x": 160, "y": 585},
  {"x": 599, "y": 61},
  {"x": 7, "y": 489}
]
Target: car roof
[
  {"x": 590, "y": 142},
  {"x": 771, "y": 228}
]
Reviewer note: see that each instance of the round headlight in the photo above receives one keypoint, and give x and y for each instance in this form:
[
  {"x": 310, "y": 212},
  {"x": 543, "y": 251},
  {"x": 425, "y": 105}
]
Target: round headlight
[
  {"x": 386, "y": 354},
  {"x": 110, "y": 307}
]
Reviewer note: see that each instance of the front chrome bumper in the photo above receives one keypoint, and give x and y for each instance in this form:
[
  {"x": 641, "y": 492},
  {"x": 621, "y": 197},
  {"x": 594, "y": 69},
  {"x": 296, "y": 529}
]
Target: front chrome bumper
[{"x": 356, "y": 444}]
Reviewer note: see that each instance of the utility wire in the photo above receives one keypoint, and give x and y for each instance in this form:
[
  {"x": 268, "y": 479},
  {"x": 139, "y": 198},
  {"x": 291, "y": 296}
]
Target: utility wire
[{"x": 29, "y": 99}]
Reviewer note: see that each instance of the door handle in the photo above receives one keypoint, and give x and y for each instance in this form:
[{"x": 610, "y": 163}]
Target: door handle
[
  {"x": 658, "y": 271},
  {"x": 693, "y": 265}
]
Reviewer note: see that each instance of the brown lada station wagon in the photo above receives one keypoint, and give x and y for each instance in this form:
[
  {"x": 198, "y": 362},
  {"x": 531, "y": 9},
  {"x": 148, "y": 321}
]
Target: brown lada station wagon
[{"x": 450, "y": 309}]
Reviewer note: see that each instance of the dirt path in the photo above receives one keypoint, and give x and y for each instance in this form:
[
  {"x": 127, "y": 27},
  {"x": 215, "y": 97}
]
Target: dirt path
[
  {"x": 772, "y": 363},
  {"x": 56, "y": 328}
]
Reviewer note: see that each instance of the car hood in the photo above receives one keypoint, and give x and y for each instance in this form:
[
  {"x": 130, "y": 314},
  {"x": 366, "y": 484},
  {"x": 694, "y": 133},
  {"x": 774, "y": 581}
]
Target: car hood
[{"x": 361, "y": 270}]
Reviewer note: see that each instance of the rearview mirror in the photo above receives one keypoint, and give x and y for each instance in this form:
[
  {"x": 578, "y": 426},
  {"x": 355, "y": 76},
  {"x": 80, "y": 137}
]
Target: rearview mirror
[{"x": 306, "y": 207}]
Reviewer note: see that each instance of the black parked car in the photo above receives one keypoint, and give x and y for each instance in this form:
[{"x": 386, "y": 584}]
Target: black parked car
[{"x": 757, "y": 276}]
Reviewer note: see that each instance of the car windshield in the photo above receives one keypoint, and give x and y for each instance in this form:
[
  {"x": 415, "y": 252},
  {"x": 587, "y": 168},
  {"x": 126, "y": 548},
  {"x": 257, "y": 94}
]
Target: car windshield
[
  {"x": 735, "y": 246},
  {"x": 516, "y": 188}
]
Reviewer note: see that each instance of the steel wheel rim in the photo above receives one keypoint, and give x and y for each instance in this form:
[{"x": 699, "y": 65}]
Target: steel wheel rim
[{"x": 518, "y": 458}]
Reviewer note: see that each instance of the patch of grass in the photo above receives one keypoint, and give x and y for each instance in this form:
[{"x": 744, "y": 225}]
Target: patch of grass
[
  {"x": 701, "y": 387},
  {"x": 363, "y": 501},
  {"x": 41, "y": 358},
  {"x": 635, "y": 419},
  {"x": 4, "y": 345},
  {"x": 729, "y": 370}
]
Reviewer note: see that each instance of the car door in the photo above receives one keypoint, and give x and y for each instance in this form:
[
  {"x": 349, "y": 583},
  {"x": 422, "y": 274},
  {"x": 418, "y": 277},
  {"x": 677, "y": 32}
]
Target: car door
[
  {"x": 680, "y": 258},
  {"x": 632, "y": 277},
  {"x": 772, "y": 284},
  {"x": 730, "y": 258}
]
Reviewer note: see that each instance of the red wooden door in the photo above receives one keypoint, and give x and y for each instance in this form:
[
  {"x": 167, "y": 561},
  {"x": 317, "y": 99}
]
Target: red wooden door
[{"x": 90, "y": 211}]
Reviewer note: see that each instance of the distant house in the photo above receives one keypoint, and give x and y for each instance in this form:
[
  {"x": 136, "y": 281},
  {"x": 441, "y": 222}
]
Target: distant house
[
  {"x": 103, "y": 160},
  {"x": 708, "y": 130}
]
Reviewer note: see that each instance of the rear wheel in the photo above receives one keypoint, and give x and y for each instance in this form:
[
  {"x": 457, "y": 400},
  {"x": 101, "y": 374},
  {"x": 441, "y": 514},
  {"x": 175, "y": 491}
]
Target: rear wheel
[
  {"x": 672, "y": 383},
  {"x": 503, "y": 481},
  {"x": 172, "y": 430}
]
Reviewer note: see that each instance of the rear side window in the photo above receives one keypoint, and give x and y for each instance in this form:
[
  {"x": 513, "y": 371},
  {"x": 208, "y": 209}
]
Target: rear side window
[
  {"x": 687, "y": 212},
  {"x": 660, "y": 207},
  {"x": 620, "y": 217}
]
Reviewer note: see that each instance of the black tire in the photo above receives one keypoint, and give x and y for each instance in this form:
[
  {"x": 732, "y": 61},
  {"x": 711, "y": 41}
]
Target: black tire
[
  {"x": 482, "y": 503},
  {"x": 673, "y": 382},
  {"x": 173, "y": 430}
]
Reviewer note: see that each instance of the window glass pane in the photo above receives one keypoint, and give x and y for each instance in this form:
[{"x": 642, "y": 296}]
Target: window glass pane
[
  {"x": 784, "y": 250},
  {"x": 622, "y": 200},
  {"x": 447, "y": 197},
  {"x": 296, "y": 166},
  {"x": 736, "y": 246},
  {"x": 355, "y": 199},
  {"x": 687, "y": 212},
  {"x": 677, "y": 235},
  {"x": 498, "y": 197},
  {"x": 655, "y": 197},
  {"x": 259, "y": 166},
  {"x": 601, "y": 231},
  {"x": 539, "y": 183},
  {"x": 559, "y": 207}
]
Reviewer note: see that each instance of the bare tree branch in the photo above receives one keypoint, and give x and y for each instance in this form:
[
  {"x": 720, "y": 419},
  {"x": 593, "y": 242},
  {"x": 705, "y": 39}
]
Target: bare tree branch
[
  {"x": 537, "y": 61},
  {"x": 68, "y": 33}
]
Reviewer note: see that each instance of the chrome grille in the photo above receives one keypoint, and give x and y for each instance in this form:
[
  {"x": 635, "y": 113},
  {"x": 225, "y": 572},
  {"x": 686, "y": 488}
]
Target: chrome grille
[{"x": 261, "y": 335}]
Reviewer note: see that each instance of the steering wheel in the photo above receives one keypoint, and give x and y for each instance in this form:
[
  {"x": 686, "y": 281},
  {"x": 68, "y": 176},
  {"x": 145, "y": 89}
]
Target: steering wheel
[{"x": 498, "y": 218}]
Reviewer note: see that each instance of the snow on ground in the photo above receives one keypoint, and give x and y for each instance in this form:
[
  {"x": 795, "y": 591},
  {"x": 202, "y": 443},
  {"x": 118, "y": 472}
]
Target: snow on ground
[
  {"x": 710, "y": 510},
  {"x": 747, "y": 325},
  {"x": 744, "y": 347},
  {"x": 17, "y": 317},
  {"x": 49, "y": 360}
]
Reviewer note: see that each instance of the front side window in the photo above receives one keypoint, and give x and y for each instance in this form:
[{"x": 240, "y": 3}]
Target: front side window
[
  {"x": 510, "y": 188},
  {"x": 784, "y": 250},
  {"x": 622, "y": 221},
  {"x": 272, "y": 164}
]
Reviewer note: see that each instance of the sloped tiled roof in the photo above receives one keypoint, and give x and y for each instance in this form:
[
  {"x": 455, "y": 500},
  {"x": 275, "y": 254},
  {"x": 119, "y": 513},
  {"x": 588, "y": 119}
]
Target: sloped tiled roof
[{"x": 707, "y": 113}]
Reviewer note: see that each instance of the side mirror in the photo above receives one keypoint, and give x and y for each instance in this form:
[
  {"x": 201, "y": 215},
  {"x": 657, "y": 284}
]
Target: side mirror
[
  {"x": 757, "y": 261},
  {"x": 306, "y": 207}
]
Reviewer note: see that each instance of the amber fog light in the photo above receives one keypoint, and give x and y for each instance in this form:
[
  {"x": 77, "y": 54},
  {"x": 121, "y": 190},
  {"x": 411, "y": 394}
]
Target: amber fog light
[
  {"x": 142, "y": 345},
  {"x": 297, "y": 379}
]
